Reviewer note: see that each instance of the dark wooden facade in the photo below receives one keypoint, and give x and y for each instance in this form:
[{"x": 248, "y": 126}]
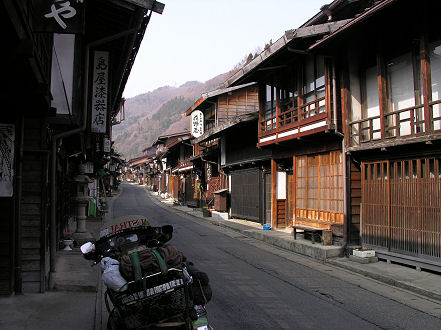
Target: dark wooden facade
[
  {"x": 248, "y": 168},
  {"x": 220, "y": 108},
  {"x": 391, "y": 100},
  {"x": 227, "y": 154},
  {"x": 300, "y": 125},
  {"x": 26, "y": 104},
  {"x": 48, "y": 137}
]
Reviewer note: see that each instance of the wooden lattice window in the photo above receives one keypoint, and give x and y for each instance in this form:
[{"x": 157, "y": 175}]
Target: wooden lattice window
[{"x": 320, "y": 187}]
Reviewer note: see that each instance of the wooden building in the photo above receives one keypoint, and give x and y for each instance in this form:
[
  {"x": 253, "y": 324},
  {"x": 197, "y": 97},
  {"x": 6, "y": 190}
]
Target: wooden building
[
  {"x": 226, "y": 152},
  {"x": 300, "y": 123},
  {"x": 169, "y": 171},
  {"x": 59, "y": 106},
  {"x": 181, "y": 181},
  {"x": 389, "y": 63}
]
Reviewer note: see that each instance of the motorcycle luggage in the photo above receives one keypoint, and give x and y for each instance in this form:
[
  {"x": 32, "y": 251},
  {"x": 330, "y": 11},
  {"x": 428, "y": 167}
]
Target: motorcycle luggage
[
  {"x": 159, "y": 298},
  {"x": 172, "y": 257}
]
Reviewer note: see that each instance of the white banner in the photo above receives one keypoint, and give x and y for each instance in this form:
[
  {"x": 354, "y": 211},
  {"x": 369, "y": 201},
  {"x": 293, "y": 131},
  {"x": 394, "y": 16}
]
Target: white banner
[
  {"x": 7, "y": 138},
  {"x": 100, "y": 91},
  {"x": 197, "y": 123}
]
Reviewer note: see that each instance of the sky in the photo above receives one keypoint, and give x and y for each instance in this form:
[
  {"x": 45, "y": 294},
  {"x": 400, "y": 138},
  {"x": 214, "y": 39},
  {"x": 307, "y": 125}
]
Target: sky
[{"x": 200, "y": 39}]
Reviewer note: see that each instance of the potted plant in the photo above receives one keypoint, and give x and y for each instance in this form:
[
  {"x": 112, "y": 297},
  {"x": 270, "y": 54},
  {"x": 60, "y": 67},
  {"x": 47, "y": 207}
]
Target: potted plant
[{"x": 67, "y": 241}]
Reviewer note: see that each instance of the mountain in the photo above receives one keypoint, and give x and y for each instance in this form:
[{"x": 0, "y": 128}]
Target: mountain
[{"x": 158, "y": 112}]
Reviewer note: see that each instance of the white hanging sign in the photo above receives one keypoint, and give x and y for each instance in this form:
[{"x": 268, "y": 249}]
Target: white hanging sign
[
  {"x": 106, "y": 144},
  {"x": 197, "y": 123}
]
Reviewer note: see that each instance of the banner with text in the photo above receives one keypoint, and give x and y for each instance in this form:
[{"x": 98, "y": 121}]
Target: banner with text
[
  {"x": 7, "y": 138},
  {"x": 100, "y": 86},
  {"x": 58, "y": 16}
]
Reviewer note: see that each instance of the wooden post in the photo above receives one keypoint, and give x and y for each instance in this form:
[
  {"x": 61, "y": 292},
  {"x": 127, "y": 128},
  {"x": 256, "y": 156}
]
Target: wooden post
[
  {"x": 389, "y": 228},
  {"x": 294, "y": 189},
  {"x": 346, "y": 106},
  {"x": 382, "y": 92},
  {"x": 427, "y": 84},
  {"x": 277, "y": 107},
  {"x": 328, "y": 92},
  {"x": 104, "y": 188},
  {"x": 273, "y": 193}
]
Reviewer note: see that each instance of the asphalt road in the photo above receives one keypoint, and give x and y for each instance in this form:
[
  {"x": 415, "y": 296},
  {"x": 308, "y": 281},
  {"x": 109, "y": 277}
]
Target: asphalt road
[{"x": 256, "y": 286}]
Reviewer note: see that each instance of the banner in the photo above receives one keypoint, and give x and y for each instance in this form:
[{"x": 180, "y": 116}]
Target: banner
[
  {"x": 100, "y": 84},
  {"x": 106, "y": 144},
  {"x": 197, "y": 123},
  {"x": 58, "y": 16},
  {"x": 7, "y": 138}
]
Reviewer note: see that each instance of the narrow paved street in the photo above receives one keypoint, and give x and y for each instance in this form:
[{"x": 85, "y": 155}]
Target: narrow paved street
[{"x": 256, "y": 286}]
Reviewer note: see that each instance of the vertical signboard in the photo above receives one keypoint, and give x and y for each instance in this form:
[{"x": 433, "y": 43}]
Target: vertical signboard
[
  {"x": 106, "y": 144},
  {"x": 7, "y": 138},
  {"x": 58, "y": 16},
  {"x": 197, "y": 123},
  {"x": 100, "y": 91}
]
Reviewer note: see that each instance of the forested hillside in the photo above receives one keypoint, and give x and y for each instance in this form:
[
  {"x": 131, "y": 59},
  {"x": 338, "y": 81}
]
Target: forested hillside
[
  {"x": 144, "y": 133},
  {"x": 157, "y": 113}
]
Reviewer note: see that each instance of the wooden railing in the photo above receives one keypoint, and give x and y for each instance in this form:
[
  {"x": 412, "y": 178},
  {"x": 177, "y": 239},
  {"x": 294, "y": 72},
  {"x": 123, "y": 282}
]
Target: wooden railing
[
  {"x": 295, "y": 116},
  {"x": 303, "y": 112},
  {"x": 181, "y": 164},
  {"x": 403, "y": 123}
]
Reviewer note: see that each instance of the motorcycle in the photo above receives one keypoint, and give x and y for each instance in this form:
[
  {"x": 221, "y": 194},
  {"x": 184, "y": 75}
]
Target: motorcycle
[{"x": 156, "y": 288}]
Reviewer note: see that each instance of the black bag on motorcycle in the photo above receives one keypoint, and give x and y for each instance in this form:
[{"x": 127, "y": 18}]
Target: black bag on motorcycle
[
  {"x": 149, "y": 263},
  {"x": 200, "y": 288}
]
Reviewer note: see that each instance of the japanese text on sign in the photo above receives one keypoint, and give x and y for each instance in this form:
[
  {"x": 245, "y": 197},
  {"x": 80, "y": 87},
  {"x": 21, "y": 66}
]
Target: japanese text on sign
[
  {"x": 59, "y": 10},
  {"x": 197, "y": 123},
  {"x": 58, "y": 16},
  {"x": 100, "y": 92},
  {"x": 7, "y": 141}
]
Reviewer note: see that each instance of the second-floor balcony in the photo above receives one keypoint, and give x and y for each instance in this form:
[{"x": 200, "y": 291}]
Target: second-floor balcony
[
  {"x": 183, "y": 166},
  {"x": 299, "y": 101},
  {"x": 293, "y": 122},
  {"x": 396, "y": 127}
]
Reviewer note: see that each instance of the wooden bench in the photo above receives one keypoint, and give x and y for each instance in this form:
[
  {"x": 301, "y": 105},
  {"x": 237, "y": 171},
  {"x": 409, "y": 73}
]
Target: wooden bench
[{"x": 313, "y": 231}]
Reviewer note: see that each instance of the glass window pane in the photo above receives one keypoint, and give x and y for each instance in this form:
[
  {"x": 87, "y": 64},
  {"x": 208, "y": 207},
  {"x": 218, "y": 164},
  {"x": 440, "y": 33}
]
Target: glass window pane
[
  {"x": 401, "y": 89},
  {"x": 372, "y": 95},
  {"x": 435, "y": 66},
  {"x": 268, "y": 93},
  {"x": 320, "y": 72},
  {"x": 309, "y": 76}
]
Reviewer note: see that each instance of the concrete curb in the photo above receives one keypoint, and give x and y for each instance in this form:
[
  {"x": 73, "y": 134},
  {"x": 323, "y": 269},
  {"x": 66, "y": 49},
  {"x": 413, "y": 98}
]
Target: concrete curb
[{"x": 387, "y": 279}]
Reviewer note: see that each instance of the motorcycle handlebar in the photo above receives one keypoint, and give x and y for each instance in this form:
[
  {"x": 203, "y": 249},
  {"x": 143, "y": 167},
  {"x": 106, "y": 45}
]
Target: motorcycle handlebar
[{"x": 150, "y": 236}]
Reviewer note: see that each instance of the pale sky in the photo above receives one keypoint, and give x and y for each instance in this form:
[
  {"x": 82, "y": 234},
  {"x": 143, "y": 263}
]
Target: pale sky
[{"x": 199, "y": 39}]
